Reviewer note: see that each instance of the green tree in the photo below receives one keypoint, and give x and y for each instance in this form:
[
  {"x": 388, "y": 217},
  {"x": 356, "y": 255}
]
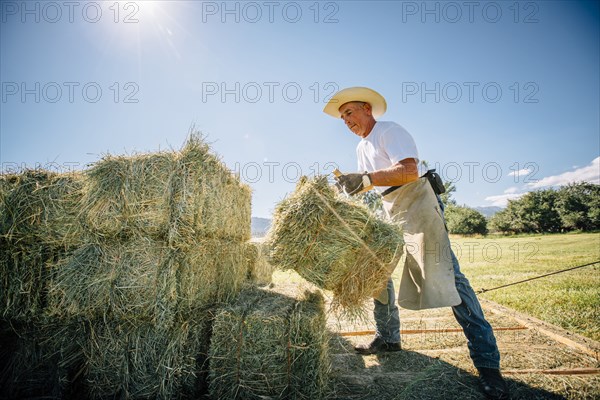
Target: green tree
[
  {"x": 501, "y": 222},
  {"x": 465, "y": 220},
  {"x": 578, "y": 206},
  {"x": 447, "y": 195},
  {"x": 575, "y": 206},
  {"x": 536, "y": 212}
]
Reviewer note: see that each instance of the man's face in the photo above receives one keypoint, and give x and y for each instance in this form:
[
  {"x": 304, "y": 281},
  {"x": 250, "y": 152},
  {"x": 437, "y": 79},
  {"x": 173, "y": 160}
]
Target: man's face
[{"x": 358, "y": 117}]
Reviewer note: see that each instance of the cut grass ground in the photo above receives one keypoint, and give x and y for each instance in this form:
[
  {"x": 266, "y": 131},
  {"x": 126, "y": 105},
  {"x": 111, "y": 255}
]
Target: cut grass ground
[
  {"x": 437, "y": 365},
  {"x": 570, "y": 299}
]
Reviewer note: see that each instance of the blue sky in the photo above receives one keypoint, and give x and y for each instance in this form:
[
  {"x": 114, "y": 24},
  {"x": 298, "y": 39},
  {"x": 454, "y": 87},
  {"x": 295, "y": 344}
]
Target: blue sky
[{"x": 503, "y": 97}]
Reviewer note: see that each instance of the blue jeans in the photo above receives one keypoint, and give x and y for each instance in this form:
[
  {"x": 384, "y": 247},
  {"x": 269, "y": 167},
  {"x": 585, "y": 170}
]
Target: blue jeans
[{"x": 480, "y": 336}]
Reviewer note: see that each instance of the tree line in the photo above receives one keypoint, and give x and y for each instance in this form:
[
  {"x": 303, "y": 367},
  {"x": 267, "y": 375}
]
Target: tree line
[{"x": 574, "y": 207}]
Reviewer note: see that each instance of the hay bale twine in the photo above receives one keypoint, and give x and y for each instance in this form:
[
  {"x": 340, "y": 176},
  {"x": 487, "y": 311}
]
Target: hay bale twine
[
  {"x": 335, "y": 243},
  {"x": 269, "y": 345}
]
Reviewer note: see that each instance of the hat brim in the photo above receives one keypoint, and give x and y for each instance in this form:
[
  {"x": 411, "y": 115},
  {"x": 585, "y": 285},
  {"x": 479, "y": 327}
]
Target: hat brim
[{"x": 366, "y": 95}]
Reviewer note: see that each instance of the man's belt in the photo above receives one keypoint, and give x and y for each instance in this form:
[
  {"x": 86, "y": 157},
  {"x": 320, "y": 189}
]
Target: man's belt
[{"x": 434, "y": 180}]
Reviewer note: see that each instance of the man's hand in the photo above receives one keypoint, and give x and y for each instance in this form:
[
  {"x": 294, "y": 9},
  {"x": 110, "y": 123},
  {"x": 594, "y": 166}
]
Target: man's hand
[{"x": 353, "y": 183}]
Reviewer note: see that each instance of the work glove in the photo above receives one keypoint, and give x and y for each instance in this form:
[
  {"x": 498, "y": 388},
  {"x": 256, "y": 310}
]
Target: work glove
[{"x": 353, "y": 183}]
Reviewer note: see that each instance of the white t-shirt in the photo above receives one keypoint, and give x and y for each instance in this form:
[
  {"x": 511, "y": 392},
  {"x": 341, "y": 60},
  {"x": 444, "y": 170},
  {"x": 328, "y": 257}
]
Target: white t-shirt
[{"x": 387, "y": 144}]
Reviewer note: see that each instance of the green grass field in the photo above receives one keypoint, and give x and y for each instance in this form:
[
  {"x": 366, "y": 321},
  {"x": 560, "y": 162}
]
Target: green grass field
[{"x": 570, "y": 299}]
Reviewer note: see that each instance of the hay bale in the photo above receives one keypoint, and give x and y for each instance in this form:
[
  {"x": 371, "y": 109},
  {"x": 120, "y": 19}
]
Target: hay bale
[
  {"x": 41, "y": 207},
  {"x": 38, "y": 225},
  {"x": 145, "y": 280},
  {"x": 260, "y": 271},
  {"x": 170, "y": 196},
  {"x": 268, "y": 345},
  {"x": 226, "y": 262},
  {"x": 24, "y": 276},
  {"x": 334, "y": 243},
  {"x": 143, "y": 361}
]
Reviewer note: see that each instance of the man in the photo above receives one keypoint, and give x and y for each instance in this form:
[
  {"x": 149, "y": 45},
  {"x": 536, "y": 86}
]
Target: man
[{"x": 388, "y": 156}]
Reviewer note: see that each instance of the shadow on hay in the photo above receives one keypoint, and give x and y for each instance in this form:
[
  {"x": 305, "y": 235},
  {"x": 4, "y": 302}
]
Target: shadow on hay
[
  {"x": 48, "y": 361},
  {"x": 31, "y": 368},
  {"x": 408, "y": 375}
]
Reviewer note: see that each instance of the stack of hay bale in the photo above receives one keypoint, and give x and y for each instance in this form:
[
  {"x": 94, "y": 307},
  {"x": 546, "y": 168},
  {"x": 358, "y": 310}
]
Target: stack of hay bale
[
  {"x": 38, "y": 219},
  {"x": 167, "y": 238},
  {"x": 130, "y": 256},
  {"x": 112, "y": 280},
  {"x": 166, "y": 234}
]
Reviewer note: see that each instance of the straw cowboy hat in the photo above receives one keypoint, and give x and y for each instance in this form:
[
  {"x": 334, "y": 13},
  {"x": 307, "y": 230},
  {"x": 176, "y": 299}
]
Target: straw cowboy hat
[{"x": 377, "y": 102}]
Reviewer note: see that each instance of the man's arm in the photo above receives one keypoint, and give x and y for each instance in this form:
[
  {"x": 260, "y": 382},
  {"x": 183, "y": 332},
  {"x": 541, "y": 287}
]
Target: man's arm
[{"x": 403, "y": 172}]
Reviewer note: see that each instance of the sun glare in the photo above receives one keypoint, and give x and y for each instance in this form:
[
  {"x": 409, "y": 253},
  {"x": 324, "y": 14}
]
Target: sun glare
[
  {"x": 136, "y": 12},
  {"x": 149, "y": 8},
  {"x": 148, "y": 26}
]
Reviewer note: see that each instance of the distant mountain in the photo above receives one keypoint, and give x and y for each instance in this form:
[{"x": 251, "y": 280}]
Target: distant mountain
[
  {"x": 260, "y": 226},
  {"x": 488, "y": 211}
]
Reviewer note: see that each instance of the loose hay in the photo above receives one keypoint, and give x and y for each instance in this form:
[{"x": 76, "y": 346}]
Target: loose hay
[
  {"x": 268, "y": 345},
  {"x": 145, "y": 280},
  {"x": 170, "y": 195},
  {"x": 335, "y": 243}
]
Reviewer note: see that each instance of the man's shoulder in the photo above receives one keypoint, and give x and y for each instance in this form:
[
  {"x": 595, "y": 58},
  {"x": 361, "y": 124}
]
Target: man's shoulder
[{"x": 384, "y": 127}]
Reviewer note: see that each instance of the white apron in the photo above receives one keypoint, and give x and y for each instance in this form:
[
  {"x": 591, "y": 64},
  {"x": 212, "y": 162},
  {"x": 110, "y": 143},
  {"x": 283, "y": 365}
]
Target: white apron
[{"x": 428, "y": 274}]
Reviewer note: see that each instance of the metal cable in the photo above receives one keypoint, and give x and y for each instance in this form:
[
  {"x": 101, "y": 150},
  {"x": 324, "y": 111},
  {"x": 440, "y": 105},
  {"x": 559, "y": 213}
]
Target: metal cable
[{"x": 536, "y": 277}]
